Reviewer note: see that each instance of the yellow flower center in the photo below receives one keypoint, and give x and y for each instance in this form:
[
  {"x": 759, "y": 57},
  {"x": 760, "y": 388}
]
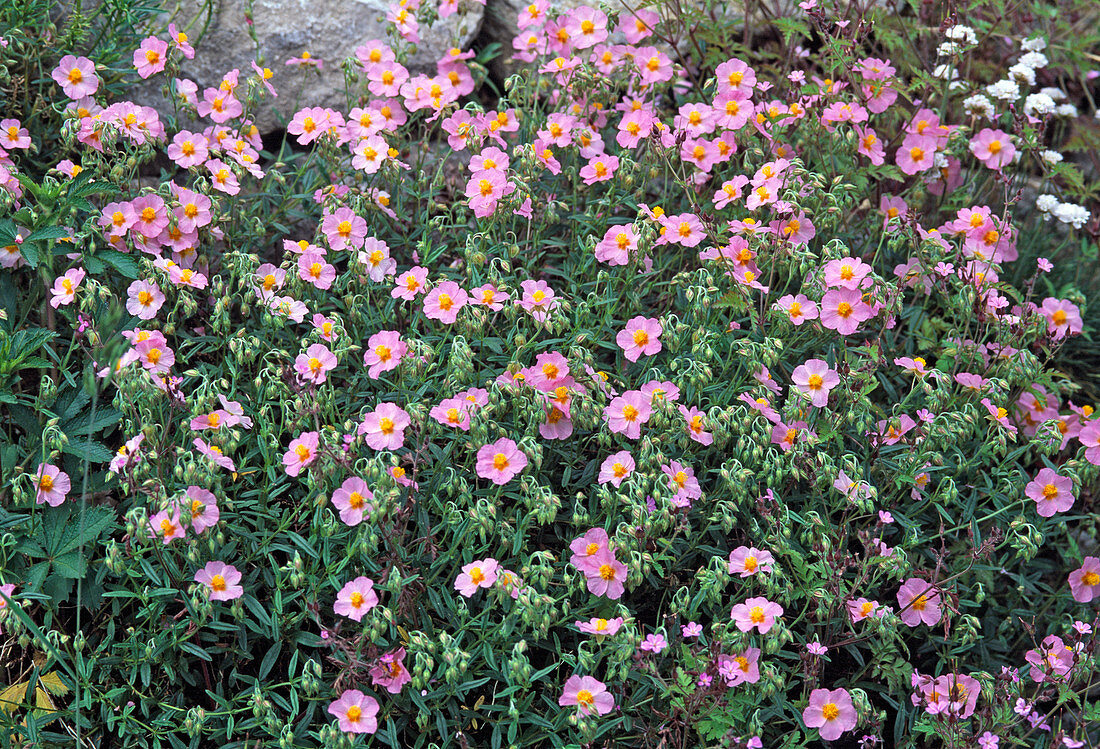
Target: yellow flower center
[
  {"x": 355, "y": 501},
  {"x": 756, "y": 615},
  {"x": 500, "y": 461},
  {"x": 844, "y": 309},
  {"x": 217, "y": 583},
  {"x": 584, "y": 697},
  {"x": 152, "y": 56},
  {"x": 920, "y": 603},
  {"x": 476, "y": 575},
  {"x": 154, "y": 355},
  {"x": 607, "y": 572},
  {"x": 814, "y": 382},
  {"x": 830, "y": 711},
  {"x": 1090, "y": 579},
  {"x": 750, "y": 564},
  {"x": 45, "y": 484},
  {"x": 445, "y": 302},
  {"x": 1059, "y": 317},
  {"x": 302, "y": 452},
  {"x": 1050, "y": 491},
  {"x": 591, "y": 549},
  {"x": 354, "y": 714},
  {"x": 916, "y": 154},
  {"x": 386, "y": 425},
  {"x": 995, "y": 146}
]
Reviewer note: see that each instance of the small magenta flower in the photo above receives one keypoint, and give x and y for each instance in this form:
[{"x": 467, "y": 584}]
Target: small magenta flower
[
  {"x": 302, "y": 452},
  {"x": 831, "y": 712},
  {"x": 1052, "y": 493},
  {"x": 356, "y": 598},
  {"x": 654, "y": 643},
  {"x": 588, "y": 694},
  {"x": 640, "y": 337},
  {"x": 479, "y": 574},
  {"x": 919, "y": 601},
  {"x": 756, "y": 612},
  {"x": 1084, "y": 582},
  {"x": 691, "y": 629},
  {"x": 221, "y": 580},
  {"x": 355, "y": 712},
  {"x": 52, "y": 485},
  {"x": 500, "y": 461}
]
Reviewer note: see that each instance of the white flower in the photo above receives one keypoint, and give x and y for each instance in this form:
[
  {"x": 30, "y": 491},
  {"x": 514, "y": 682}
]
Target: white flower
[
  {"x": 963, "y": 34},
  {"x": 979, "y": 105},
  {"x": 1068, "y": 213},
  {"x": 1066, "y": 110},
  {"x": 1046, "y": 203},
  {"x": 1051, "y": 157},
  {"x": 948, "y": 49},
  {"x": 1038, "y": 104},
  {"x": 1006, "y": 90},
  {"x": 946, "y": 72},
  {"x": 1034, "y": 60},
  {"x": 1034, "y": 45},
  {"x": 1053, "y": 92},
  {"x": 1022, "y": 74}
]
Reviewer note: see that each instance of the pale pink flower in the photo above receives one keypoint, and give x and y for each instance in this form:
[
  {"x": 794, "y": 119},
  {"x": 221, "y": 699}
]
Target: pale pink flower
[
  {"x": 314, "y": 365},
  {"x": 410, "y": 283},
  {"x": 600, "y": 627},
  {"x": 384, "y": 427},
  {"x": 201, "y": 507},
  {"x": 1084, "y": 582},
  {"x": 846, "y": 273},
  {"x": 843, "y": 310},
  {"x": 538, "y": 299},
  {"x": 587, "y": 550},
  {"x": 740, "y": 669},
  {"x": 214, "y": 453},
  {"x": 478, "y": 574},
  {"x": 919, "y": 601},
  {"x": 588, "y": 694},
  {"x": 52, "y": 485},
  {"x": 606, "y": 575},
  {"x": 390, "y": 672},
  {"x": 861, "y": 608},
  {"x": 489, "y": 296},
  {"x": 221, "y": 580},
  {"x": 343, "y": 229},
  {"x": 444, "y": 301},
  {"x": 302, "y": 452},
  {"x": 76, "y": 76},
  {"x": 626, "y": 413},
  {"x": 1052, "y": 493},
  {"x": 500, "y": 461},
  {"x": 151, "y": 57},
  {"x": 756, "y": 612},
  {"x": 617, "y": 244},
  {"x": 352, "y": 500},
  {"x": 167, "y": 525},
  {"x": 312, "y": 268},
  {"x": 188, "y": 149},
  {"x": 65, "y": 287},
  {"x": 1063, "y": 317},
  {"x": 748, "y": 561},
  {"x": 799, "y": 308},
  {"x": 355, "y": 712},
  {"x": 356, "y": 598},
  {"x": 384, "y": 352},
  {"x": 816, "y": 378},
  {"x": 994, "y": 148},
  {"x": 696, "y": 425},
  {"x": 640, "y": 337},
  {"x": 831, "y": 712}
]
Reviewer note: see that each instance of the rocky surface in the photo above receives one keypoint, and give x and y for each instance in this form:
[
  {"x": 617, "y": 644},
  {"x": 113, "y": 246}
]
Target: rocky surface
[{"x": 327, "y": 29}]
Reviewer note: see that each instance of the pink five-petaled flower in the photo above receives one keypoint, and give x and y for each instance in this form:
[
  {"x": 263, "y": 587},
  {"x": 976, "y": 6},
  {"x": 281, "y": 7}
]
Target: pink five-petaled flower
[
  {"x": 919, "y": 601},
  {"x": 1063, "y": 317},
  {"x": 816, "y": 378},
  {"x": 696, "y": 425},
  {"x": 994, "y": 148},
  {"x": 384, "y": 427},
  {"x": 831, "y": 712},
  {"x": 444, "y": 301},
  {"x": 600, "y": 627},
  {"x": 500, "y": 461},
  {"x": 616, "y": 468},
  {"x": 1052, "y": 493},
  {"x": 221, "y": 580},
  {"x": 167, "y": 525},
  {"x": 390, "y": 672},
  {"x": 588, "y": 694},
  {"x": 151, "y": 57},
  {"x": 144, "y": 299},
  {"x": 302, "y": 452},
  {"x": 740, "y": 669},
  {"x": 1084, "y": 582},
  {"x": 640, "y": 337},
  {"x": 606, "y": 575},
  {"x": 626, "y": 413},
  {"x": 586, "y": 550},
  {"x": 756, "y": 612},
  {"x": 538, "y": 299},
  {"x": 355, "y": 712},
  {"x": 76, "y": 76},
  {"x": 748, "y": 560},
  {"x": 478, "y": 574},
  {"x": 384, "y": 351},
  {"x": 352, "y": 499},
  {"x": 843, "y": 310},
  {"x": 65, "y": 287},
  {"x": 356, "y": 598},
  {"x": 410, "y": 283},
  {"x": 51, "y": 485},
  {"x": 201, "y": 506},
  {"x": 314, "y": 365}
]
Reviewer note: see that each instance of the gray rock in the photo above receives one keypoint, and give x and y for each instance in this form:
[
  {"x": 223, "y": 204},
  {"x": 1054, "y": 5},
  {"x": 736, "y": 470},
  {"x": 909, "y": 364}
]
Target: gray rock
[{"x": 327, "y": 29}]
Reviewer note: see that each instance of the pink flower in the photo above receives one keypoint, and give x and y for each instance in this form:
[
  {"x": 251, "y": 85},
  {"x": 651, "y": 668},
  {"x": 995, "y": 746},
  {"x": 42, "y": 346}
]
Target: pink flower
[
  {"x": 538, "y": 299},
  {"x": 994, "y": 148},
  {"x": 916, "y": 154},
  {"x": 384, "y": 352},
  {"x": 816, "y": 378},
  {"x": 76, "y": 76},
  {"x": 919, "y": 601},
  {"x": 356, "y": 598},
  {"x": 798, "y": 308},
  {"x": 444, "y": 301},
  {"x": 352, "y": 499},
  {"x": 302, "y": 452},
  {"x": 740, "y": 669},
  {"x": 756, "y": 612},
  {"x": 343, "y": 229},
  {"x": 167, "y": 525},
  {"x": 617, "y": 244},
  {"x": 313, "y": 269},
  {"x": 201, "y": 506},
  {"x": 588, "y": 694},
  {"x": 151, "y": 57},
  {"x": 654, "y": 644},
  {"x": 355, "y": 712},
  {"x": 479, "y": 574},
  {"x": 816, "y": 648},
  {"x": 51, "y": 485},
  {"x": 600, "y": 627},
  {"x": 214, "y": 453},
  {"x": 1084, "y": 582},
  {"x": 843, "y": 310},
  {"x": 13, "y": 135},
  {"x": 831, "y": 712},
  {"x": 500, "y": 461},
  {"x": 599, "y": 169},
  {"x": 616, "y": 468},
  {"x": 606, "y": 575},
  {"x": 224, "y": 180},
  {"x": 221, "y": 580},
  {"x": 1052, "y": 493},
  {"x": 626, "y": 413},
  {"x": 488, "y": 296},
  {"x": 65, "y": 287},
  {"x": 691, "y": 629},
  {"x": 390, "y": 672},
  {"x": 696, "y": 425},
  {"x": 748, "y": 560},
  {"x": 640, "y": 337},
  {"x": 587, "y": 550},
  {"x": 151, "y": 215},
  {"x": 1063, "y": 317},
  {"x": 452, "y": 412},
  {"x": 846, "y": 273},
  {"x": 1052, "y": 660},
  {"x": 861, "y": 608},
  {"x": 1089, "y": 437},
  {"x": 682, "y": 483},
  {"x": 486, "y": 188},
  {"x": 385, "y": 426},
  {"x": 410, "y": 283},
  {"x": 314, "y": 365},
  {"x": 188, "y": 149}
]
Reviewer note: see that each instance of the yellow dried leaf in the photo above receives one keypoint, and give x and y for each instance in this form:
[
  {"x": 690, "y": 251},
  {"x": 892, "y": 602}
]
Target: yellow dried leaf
[{"x": 53, "y": 684}]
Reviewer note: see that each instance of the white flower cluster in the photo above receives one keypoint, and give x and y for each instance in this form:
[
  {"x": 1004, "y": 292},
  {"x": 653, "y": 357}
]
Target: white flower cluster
[
  {"x": 1051, "y": 157},
  {"x": 1067, "y": 213},
  {"x": 1023, "y": 74},
  {"x": 979, "y": 105},
  {"x": 1006, "y": 90},
  {"x": 1038, "y": 104},
  {"x": 964, "y": 35}
]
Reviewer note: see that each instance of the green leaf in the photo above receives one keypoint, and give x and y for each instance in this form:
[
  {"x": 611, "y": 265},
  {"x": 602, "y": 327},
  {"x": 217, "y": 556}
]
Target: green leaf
[
  {"x": 85, "y": 424},
  {"x": 49, "y": 232},
  {"x": 123, "y": 263},
  {"x": 82, "y": 527},
  {"x": 88, "y": 449},
  {"x": 72, "y": 565}
]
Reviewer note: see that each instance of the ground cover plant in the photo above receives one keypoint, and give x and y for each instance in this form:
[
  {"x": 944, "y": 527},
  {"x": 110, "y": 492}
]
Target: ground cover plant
[{"x": 699, "y": 383}]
